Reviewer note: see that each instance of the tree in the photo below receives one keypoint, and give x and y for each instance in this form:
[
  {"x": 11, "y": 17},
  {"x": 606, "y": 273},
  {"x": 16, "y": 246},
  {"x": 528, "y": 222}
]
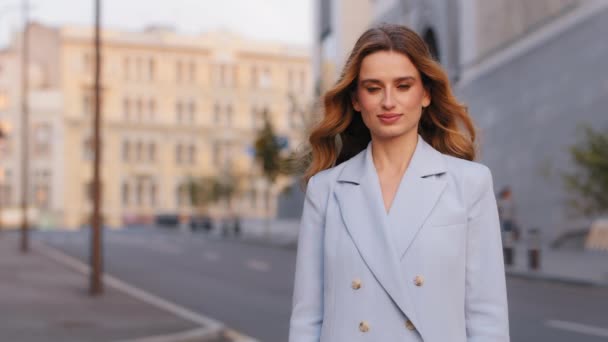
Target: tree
[
  {"x": 268, "y": 156},
  {"x": 589, "y": 181},
  {"x": 207, "y": 190}
]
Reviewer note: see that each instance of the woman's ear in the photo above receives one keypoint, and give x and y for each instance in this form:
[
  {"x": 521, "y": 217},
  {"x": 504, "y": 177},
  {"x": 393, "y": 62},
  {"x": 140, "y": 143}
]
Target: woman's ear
[
  {"x": 426, "y": 99},
  {"x": 355, "y": 101}
]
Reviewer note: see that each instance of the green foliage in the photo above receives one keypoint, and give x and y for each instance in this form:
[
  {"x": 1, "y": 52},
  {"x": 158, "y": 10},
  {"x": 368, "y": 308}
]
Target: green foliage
[
  {"x": 589, "y": 181},
  {"x": 206, "y": 190},
  {"x": 268, "y": 151}
]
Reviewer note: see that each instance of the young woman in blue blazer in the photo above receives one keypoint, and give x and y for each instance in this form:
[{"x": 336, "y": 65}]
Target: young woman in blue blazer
[{"x": 399, "y": 238}]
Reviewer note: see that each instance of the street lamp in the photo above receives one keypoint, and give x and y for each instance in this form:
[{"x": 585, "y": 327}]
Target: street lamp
[
  {"x": 96, "y": 283},
  {"x": 24, "y": 130}
]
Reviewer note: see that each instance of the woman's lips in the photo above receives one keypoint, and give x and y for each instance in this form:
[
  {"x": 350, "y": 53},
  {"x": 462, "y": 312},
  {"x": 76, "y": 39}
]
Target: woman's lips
[{"x": 389, "y": 118}]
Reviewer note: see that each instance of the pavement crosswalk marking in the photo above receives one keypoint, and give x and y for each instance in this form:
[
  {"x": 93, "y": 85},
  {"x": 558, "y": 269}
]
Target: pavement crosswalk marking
[{"x": 578, "y": 328}]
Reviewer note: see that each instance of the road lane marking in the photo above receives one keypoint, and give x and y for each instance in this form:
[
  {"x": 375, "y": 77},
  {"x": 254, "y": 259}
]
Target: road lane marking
[
  {"x": 189, "y": 335},
  {"x": 578, "y": 328},
  {"x": 211, "y": 256},
  {"x": 258, "y": 265}
]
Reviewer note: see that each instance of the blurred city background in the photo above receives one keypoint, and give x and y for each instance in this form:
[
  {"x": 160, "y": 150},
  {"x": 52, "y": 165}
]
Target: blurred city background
[{"x": 185, "y": 227}]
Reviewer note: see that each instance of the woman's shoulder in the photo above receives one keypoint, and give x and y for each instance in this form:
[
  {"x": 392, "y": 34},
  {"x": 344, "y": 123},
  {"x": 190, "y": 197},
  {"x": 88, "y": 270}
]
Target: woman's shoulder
[
  {"x": 466, "y": 168},
  {"x": 324, "y": 178},
  {"x": 471, "y": 175}
]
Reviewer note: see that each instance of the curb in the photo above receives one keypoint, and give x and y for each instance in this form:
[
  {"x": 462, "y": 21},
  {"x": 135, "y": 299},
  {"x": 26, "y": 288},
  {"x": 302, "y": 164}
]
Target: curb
[
  {"x": 554, "y": 278},
  {"x": 210, "y": 329}
]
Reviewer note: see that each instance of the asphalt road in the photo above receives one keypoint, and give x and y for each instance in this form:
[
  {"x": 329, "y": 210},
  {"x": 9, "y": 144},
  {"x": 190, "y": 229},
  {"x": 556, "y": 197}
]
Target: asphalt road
[{"x": 249, "y": 286}]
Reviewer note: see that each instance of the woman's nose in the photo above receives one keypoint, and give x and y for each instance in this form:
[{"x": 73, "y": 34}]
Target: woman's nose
[{"x": 388, "y": 102}]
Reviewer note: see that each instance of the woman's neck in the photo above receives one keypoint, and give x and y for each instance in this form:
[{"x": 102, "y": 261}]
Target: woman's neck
[{"x": 393, "y": 156}]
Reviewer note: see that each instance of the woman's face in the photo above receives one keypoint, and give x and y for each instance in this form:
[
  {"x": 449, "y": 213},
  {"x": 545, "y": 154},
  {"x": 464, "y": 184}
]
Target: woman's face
[{"x": 389, "y": 95}]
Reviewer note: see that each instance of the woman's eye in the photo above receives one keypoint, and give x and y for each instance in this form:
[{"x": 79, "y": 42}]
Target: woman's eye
[
  {"x": 404, "y": 87},
  {"x": 373, "y": 89}
]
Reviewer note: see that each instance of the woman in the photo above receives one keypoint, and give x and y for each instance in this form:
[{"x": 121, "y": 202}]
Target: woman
[{"x": 399, "y": 238}]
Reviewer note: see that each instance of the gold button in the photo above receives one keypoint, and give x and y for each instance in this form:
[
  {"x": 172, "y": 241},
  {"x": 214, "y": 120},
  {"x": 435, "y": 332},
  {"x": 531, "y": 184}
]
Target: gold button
[
  {"x": 356, "y": 284},
  {"x": 363, "y": 326},
  {"x": 409, "y": 325},
  {"x": 419, "y": 280}
]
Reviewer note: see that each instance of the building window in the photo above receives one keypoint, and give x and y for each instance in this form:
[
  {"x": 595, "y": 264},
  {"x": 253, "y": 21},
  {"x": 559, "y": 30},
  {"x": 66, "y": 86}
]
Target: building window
[
  {"x": 87, "y": 104},
  {"x": 254, "y": 198},
  {"x": 216, "y": 153},
  {"x": 43, "y": 189},
  {"x": 139, "y": 109},
  {"x": 191, "y": 111},
  {"x": 151, "y": 152},
  {"x": 235, "y": 76},
  {"x": 87, "y": 63},
  {"x": 229, "y": 115},
  {"x": 192, "y": 71},
  {"x": 126, "y": 150},
  {"x": 258, "y": 117},
  {"x": 139, "y": 192},
  {"x": 126, "y": 66},
  {"x": 126, "y": 109},
  {"x": 5, "y": 193},
  {"x": 178, "y": 153},
  {"x": 179, "y": 112},
  {"x": 151, "y": 109},
  {"x": 125, "y": 194},
  {"x": 192, "y": 154},
  {"x": 42, "y": 139},
  {"x": 151, "y": 69},
  {"x": 139, "y": 64},
  {"x": 178, "y": 71},
  {"x": 216, "y": 113},
  {"x": 290, "y": 79},
  {"x": 139, "y": 147},
  {"x": 266, "y": 80},
  {"x": 223, "y": 76},
  {"x": 153, "y": 194},
  {"x": 88, "y": 191},
  {"x": 266, "y": 199},
  {"x": 254, "y": 77},
  {"x": 87, "y": 149}
]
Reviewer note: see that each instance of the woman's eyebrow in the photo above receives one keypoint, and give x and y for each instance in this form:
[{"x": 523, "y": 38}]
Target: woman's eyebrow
[{"x": 396, "y": 80}]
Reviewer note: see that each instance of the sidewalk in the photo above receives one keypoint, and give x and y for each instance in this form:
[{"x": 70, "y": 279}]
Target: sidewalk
[
  {"x": 562, "y": 265},
  {"x": 44, "y": 300}
]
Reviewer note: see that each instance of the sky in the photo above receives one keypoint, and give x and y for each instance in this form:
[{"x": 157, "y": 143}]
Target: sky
[{"x": 288, "y": 21}]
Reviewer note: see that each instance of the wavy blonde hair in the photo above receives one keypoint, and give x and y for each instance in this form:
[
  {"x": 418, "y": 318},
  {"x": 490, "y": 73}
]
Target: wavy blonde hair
[{"x": 341, "y": 133}]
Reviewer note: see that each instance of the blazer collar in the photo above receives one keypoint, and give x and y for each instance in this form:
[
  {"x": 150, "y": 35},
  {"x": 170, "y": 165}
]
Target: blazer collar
[{"x": 426, "y": 161}]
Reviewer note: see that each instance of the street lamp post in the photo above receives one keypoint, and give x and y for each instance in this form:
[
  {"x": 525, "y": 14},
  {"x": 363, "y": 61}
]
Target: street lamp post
[
  {"x": 96, "y": 283},
  {"x": 24, "y": 131}
]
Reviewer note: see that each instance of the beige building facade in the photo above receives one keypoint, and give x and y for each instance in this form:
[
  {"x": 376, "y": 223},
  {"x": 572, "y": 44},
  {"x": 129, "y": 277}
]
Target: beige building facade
[{"x": 174, "y": 107}]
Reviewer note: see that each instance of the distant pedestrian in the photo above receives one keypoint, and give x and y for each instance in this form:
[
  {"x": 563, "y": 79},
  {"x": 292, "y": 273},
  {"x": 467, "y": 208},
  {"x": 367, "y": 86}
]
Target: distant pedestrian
[{"x": 506, "y": 213}]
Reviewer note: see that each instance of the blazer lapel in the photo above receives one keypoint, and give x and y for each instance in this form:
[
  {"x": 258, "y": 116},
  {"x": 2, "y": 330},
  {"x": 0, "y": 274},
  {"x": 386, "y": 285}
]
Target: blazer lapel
[
  {"x": 418, "y": 193},
  {"x": 360, "y": 200}
]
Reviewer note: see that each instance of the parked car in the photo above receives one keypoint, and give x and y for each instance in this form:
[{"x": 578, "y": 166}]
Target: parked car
[
  {"x": 167, "y": 220},
  {"x": 201, "y": 222}
]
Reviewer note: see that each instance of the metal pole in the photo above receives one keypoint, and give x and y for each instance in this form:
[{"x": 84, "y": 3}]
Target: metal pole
[
  {"x": 96, "y": 283},
  {"x": 24, "y": 131}
]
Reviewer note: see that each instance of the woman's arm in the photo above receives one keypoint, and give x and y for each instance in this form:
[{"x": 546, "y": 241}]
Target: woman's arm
[
  {"x": 486, "y": 294},
  {"x": 307, "y": 312}
]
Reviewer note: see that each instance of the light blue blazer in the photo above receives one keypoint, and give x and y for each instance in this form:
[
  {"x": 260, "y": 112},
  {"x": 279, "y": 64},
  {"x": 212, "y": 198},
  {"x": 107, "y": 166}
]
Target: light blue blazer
[{"x": 430, "y": 270}]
